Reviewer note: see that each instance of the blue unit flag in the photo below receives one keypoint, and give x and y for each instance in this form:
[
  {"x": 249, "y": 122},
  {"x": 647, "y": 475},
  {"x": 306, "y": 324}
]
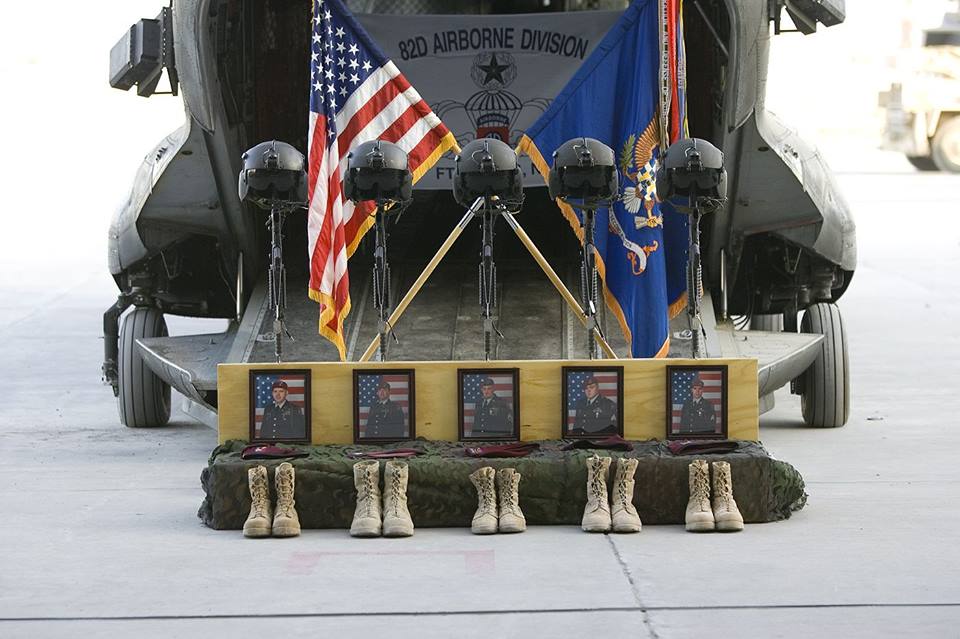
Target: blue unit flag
[{"x": 613, "y": 97}]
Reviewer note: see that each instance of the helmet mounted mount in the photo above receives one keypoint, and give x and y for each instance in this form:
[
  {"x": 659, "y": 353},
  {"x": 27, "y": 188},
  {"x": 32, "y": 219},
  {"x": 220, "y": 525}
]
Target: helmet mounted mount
[
  {"x": 379, "y": 171},
  {"x": 584, "y": 175}
]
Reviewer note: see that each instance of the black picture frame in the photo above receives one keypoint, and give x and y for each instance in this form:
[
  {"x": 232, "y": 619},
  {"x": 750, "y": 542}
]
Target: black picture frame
[
  {"x": 504, "y": 420},
  {"x": 286, "y": 425},
  {"x": 581, "y": 415},
  {"x": 685, "y": 422},
  {"x": 401, "y": 399}
]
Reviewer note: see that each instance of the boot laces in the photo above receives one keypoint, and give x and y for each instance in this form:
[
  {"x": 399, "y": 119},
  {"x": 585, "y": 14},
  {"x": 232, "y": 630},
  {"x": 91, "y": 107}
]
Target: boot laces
[
  {"x": 723, "y": 489},
  {"x": 259, "y": 496},
  {"x": 285, "y": 494},
  {"x": 598, "y": 488},
  {"x": 626, "y": 501},
  {"x": 369, "y": 489},
  {"x": 509, "y": 496},
  {"x": 396, "y": 483},
  {"x": 488, "y": 496},
  {"x": 701, "y": 484}
]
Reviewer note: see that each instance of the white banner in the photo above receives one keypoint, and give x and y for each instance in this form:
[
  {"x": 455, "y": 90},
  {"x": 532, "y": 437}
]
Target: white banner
[{"x": 488, "y": 76}]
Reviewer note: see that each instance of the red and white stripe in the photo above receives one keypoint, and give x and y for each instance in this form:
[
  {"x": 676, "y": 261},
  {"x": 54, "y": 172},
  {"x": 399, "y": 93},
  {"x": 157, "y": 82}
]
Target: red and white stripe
[{"x": 383, "y": 107}]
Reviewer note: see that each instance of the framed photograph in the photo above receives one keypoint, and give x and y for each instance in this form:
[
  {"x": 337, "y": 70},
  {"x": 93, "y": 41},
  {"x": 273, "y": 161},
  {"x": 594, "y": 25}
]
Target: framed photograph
[
  {"x": 592, "y": 401},
  {"x": 489, "y": 402},
  {"x": 383, "y": 406},
  {"x": 280, "y": 406},
  {"x": 696, "y": 402}
]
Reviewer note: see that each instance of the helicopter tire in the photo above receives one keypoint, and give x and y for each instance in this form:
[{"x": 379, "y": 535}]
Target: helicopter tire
[
  {"x": 144, "y": 399},
  {"x": 945, "y": 148},
  {"x": 767, "y": 322},
  {"x": 922, "y": 162},
  {"x": 825, "y": 400}
]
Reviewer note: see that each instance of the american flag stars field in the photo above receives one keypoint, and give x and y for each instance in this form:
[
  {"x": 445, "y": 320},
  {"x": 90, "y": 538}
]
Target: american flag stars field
[{"x": 357, "y": 95}]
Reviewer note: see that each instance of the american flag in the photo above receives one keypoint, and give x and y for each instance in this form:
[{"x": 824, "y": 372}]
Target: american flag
[
  {"x": 712, "y": 392},
  {"x": 356, "y": 95},
  {"x": 607, "y": 385},
  {"x": 264, "y": 394},
  {"x": 502, "y": 387},
  {"x": 367, "y": 391}
]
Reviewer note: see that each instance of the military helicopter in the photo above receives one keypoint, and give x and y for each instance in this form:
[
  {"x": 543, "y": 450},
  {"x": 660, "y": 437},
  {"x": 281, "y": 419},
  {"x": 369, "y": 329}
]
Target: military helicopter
[{"x": 776, "y": 256}]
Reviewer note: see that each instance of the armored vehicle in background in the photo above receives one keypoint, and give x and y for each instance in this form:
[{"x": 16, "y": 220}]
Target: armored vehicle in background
[
  {"x": 183, "y": 244},
  {"x": 923, "y": 110}
]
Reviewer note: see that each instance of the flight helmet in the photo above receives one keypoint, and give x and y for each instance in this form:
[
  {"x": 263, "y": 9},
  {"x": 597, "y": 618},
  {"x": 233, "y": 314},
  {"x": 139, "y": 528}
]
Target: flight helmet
[
  {"x": 273, "y": 175},
  {"x": 378, "y": 170},
  {"x": 485, "y": 168},
  {"x": 692, "y": 167},
  {"x": 586, "y": 169}
]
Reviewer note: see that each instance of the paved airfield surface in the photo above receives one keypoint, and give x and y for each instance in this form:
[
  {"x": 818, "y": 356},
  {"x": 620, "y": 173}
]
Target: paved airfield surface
[
  {"x": 98, "y": 526},
  {"x": 100, "y": 536}
]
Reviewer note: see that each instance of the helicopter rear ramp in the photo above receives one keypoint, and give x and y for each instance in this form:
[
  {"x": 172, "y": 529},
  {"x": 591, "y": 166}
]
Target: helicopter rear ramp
[{"x": 444, "y": 323}]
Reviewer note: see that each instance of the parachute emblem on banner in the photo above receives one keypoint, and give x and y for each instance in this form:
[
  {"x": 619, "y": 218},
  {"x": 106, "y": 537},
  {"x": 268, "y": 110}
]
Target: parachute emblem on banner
[{"x": 493, "y": 110}]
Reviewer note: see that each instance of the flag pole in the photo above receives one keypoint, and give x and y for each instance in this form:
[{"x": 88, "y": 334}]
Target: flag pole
[
  {"x": 427, "y": 272},
  {"x": 556, "y": 281}
]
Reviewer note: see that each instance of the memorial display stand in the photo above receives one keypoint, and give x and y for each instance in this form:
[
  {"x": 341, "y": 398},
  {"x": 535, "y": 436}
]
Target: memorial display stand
[{"x": 553, "y": 487}]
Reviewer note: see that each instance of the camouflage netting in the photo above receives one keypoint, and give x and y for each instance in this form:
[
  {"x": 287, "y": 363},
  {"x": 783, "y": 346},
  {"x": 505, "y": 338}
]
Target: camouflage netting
[{"x": 552, "y": 491}]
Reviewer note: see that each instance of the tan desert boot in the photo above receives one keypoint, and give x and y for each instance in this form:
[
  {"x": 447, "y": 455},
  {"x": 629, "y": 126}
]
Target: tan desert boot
[
  {"x": 508, "y": 487},
  {"x": 258, "y": 521},
  {"x": 624, "y": 515},
  {"x": 396, "y": 517},
  {"x": 596, "y": 514},
  {"x": 485, "y": 519},
  {"x": 366, "y": 518},
  {"x": 286, "y": 523},
  {"x": 725, "y": 510},
  {"x": 699, "y": 514}
]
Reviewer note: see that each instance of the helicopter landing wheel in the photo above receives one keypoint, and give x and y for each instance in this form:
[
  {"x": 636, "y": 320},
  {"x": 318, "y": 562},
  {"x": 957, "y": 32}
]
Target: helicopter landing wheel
[
  {"x": 825, "y": 396},
  {"x": 144, "y": 399}
]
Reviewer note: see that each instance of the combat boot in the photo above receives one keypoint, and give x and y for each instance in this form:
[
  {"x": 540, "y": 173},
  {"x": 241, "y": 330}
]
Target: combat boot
[
  {"x": 366, "y": 518},
  {"x": 624, "y": 515},
  {"x": 699, "y": 515},
  {"x": 286, "y": 523},
  {"x": 396, "y": 517},
  {"x": 596, "y": 514},
  {"x": 485, "y": 519},
  {"x": 725, "y": 510},
  {"x": 508, "y": 488},
  {"x": 261, "y": 514}
]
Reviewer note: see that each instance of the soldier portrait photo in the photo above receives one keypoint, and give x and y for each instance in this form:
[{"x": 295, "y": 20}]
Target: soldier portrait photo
[
  {"x": 593, "y": 402},
  {"x": 697, "y": 402},
  {"x": 280, "y": 406},
  {"x": 489, "y": 404},
  {"x": 383, "y": 407}
]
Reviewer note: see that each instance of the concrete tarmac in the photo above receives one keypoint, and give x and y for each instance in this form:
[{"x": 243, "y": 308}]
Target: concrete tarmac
[{"x": 100, "y": 536}]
